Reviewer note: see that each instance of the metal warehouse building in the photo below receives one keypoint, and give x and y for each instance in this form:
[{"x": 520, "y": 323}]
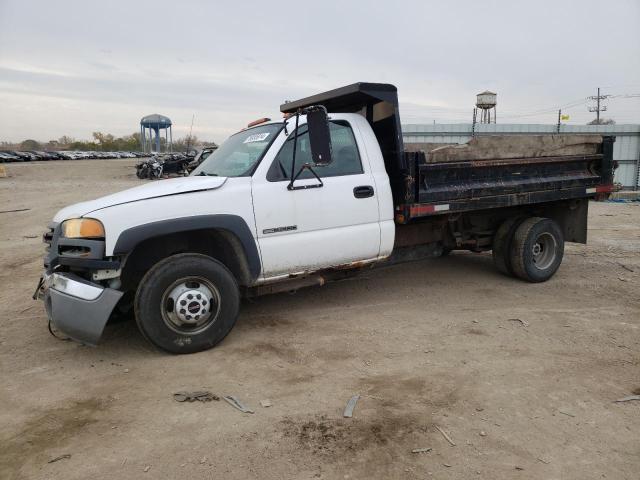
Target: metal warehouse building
[{"x": 626, "y": 149}]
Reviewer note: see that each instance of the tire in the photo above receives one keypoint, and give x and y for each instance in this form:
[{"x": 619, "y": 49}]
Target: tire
[
  {"x": 502, "y": 240},
  {"x": 200, "y": 284},
  {"x": 537, "y": 249}
]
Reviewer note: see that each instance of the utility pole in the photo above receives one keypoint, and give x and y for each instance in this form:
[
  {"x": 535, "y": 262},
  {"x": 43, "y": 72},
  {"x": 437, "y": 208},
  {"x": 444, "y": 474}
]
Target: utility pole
[
  {"x": 559, "y": 118},
  {"x": 598, "y": 108},
  {"x": 473, "y": 125}
]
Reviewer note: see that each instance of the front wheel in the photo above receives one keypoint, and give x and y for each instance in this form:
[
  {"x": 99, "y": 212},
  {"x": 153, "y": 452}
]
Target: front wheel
[
  {"x": 187, "y": 303},
  {"x": 537, "y": 249}
]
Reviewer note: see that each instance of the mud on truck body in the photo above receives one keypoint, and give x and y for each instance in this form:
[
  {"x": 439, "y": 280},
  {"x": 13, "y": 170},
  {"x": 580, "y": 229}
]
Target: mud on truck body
[{"x": 324, "y": 194}]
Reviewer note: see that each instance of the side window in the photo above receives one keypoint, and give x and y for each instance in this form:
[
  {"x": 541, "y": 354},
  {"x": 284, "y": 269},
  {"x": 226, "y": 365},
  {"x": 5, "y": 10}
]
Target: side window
[{"x": 346, "y": 159}]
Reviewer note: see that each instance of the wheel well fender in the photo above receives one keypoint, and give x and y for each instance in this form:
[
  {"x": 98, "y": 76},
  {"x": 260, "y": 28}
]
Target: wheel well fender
[{"x": 224, "y": 237}]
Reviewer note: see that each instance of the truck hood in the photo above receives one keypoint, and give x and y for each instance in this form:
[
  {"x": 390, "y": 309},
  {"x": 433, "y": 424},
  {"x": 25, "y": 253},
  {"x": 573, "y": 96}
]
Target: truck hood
[{"x": 161, "y": 188}]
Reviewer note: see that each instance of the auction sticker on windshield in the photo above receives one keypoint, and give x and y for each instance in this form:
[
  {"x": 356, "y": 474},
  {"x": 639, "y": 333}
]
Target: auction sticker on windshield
[{"x": 256, "y": 137}]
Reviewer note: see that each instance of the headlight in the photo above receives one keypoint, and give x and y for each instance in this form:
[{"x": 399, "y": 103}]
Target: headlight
[{"x": 82, "y": 228}]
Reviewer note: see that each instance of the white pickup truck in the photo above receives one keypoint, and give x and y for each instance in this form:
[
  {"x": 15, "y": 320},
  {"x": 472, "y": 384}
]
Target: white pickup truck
[{"x": 287, "y": 204}]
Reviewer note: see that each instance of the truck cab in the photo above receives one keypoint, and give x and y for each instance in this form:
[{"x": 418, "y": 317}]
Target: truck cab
[{"x": 236, "y": 210}]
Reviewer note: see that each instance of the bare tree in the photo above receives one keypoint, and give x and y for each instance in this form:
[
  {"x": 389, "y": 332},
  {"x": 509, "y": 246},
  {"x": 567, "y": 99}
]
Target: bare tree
[
  {"x": 30, "y": 144},
  {"x": 603, "y": 121}
]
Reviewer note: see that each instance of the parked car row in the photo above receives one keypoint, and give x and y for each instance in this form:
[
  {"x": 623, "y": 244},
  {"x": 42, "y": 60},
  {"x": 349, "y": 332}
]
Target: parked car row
[{"x": 14, "y": 156}]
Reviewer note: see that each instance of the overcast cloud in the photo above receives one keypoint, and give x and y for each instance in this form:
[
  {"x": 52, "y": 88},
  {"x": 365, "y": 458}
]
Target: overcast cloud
[{"x": 74, "y": 67}]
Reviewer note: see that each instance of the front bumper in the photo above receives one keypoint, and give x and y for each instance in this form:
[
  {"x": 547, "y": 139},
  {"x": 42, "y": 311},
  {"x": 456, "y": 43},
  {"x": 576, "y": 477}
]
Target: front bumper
[{"x": 78, "y": 307}]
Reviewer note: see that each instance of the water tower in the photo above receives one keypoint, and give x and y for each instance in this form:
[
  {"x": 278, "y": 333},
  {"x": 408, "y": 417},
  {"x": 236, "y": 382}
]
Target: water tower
[
  {"x": 154, "y": 123},
  {"x": 486, "y": 102}
]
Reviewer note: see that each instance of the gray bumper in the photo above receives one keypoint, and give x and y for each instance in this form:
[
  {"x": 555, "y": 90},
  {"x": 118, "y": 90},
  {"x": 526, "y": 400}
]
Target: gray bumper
[{"x": 77, "y": 307}]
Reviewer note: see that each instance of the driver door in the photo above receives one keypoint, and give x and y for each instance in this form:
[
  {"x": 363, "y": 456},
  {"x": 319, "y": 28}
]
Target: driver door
[{"x": 316, "y": 228}]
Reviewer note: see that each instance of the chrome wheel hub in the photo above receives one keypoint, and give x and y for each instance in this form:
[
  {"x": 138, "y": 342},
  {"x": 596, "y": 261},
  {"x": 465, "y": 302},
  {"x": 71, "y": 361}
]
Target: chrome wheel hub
[{"x": 190, "y": 305}]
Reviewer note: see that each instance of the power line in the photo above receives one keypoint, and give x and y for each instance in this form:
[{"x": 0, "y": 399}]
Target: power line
[
  {"x": 547, "y": 110},
  {"x": 625, "y": 95}
]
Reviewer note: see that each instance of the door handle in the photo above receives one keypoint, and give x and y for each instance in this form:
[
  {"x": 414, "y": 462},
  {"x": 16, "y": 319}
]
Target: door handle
[{"x": 363, "y": 191}]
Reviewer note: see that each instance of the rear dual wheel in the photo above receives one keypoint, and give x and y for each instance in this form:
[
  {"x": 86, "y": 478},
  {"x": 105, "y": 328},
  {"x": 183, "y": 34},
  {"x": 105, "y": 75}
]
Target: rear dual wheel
[
  {"x": 531, "y": 248},
  {"x": 502, "y": 241}
]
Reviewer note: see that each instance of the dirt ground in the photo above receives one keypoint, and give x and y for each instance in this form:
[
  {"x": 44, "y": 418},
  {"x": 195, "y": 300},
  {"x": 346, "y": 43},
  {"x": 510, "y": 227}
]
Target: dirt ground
[{"x": 427, "y": 345}]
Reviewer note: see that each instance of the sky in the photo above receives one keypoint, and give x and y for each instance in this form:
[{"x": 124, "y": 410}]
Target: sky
[{"x": 74, "y": 67}]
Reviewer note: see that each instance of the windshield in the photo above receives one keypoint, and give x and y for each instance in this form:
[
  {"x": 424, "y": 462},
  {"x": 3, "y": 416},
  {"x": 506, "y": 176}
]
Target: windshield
[{"x": 239, "y": 155}]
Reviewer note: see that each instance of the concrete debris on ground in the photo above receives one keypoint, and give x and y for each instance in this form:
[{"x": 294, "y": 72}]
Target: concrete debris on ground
[
  {"x": 523, "y": 322},
  {"x": 351, "y": 404},
  {"x": 421, "y": 450}
]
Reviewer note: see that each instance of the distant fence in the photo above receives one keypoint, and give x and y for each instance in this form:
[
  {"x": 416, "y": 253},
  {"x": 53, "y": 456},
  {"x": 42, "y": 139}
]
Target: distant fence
[{"x": 626, "y": 150}]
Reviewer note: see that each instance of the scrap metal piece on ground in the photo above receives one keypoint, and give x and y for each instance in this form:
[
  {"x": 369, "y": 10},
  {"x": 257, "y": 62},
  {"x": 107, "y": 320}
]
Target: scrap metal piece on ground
[
  {"x": 421, "y": 450},
  {"x": 15, "y": 210},
  {"x": 351, "y": 404},
  {"x": 265, "y": 403},
  {"x": 447, "y": 437},
  {"x": 627, "y": 399},
  {"x": 194, "y": 396},
  {"x": 235, "y": 403},
  {"x": 61, "y": 457}
]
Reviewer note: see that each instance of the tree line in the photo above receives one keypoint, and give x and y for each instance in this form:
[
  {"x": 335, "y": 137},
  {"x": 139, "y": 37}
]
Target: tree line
[{"x": 102, "y": 142}]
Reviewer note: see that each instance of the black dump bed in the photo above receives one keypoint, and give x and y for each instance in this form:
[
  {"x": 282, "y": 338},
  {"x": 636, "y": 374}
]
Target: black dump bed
[
  {"x": 487, "y": 172},
  {"x": 504, "y": 171}
]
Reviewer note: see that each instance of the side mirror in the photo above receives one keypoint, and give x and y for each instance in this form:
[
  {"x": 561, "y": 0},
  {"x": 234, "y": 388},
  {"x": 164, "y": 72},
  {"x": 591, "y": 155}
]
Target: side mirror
[{"x": 319, "y": 137}]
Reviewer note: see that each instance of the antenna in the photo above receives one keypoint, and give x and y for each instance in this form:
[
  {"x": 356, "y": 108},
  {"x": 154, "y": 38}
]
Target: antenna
[{"x": 190, "y": 130}]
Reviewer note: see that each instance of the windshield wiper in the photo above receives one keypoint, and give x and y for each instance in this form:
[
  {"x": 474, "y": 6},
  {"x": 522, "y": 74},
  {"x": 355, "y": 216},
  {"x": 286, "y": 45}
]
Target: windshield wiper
[{"x": 205, "y": 174}]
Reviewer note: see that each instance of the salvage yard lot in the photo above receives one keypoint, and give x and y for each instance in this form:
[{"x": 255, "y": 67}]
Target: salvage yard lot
[{"x": 435, "y": 343}]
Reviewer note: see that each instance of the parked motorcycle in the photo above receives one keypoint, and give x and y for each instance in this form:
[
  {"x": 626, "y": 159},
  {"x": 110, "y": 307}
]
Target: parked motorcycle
[{"x": 158, "y": 165}]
